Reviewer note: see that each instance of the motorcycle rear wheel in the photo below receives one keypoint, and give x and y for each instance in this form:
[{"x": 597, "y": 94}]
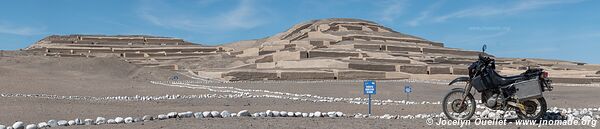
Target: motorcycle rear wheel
[
  {"x": 534, "y": 109},
  {"x": 457, "y": 110}
]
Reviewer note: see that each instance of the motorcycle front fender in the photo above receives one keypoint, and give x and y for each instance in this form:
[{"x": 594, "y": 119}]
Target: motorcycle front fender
[{"x": 460, "y": 79}]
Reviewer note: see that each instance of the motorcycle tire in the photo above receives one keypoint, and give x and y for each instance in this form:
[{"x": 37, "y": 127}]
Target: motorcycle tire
[{"x": 472, "y": 105}]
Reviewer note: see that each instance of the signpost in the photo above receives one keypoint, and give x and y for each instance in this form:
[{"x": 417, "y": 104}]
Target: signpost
[
  {"x": 370, "y": 87},
  {"x": 407, "y": 90}
]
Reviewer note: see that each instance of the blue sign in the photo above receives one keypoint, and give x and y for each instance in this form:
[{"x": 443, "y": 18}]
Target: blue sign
[
  {"x": 370, "y": 87},
  {"x": 407, "y": 89}
]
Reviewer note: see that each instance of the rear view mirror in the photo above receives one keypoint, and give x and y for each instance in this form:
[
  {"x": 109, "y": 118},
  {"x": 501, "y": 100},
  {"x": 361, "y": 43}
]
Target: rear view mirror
[{"x": 483, "y": 48}]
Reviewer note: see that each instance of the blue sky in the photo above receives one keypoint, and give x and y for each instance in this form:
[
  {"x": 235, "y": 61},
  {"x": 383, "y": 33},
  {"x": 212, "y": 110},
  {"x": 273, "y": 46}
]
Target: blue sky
[{"x": 554, "y": 29}]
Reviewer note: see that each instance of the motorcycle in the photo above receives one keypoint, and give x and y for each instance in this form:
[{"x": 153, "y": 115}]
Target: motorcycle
[{"x": 521, "y": 93}]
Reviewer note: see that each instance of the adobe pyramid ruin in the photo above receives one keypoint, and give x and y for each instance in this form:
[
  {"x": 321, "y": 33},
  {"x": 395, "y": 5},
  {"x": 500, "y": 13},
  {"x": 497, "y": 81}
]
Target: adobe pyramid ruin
[{"x": 325, "y": 49}]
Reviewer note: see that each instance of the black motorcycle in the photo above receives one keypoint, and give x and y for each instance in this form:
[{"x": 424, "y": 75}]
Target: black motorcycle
[{"x": 521, "y": 93}]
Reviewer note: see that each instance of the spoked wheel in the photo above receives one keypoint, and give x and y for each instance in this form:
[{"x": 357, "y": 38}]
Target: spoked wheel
[
  {"x": 534, "y": 109},
  {"x": 455, "y": 108}
]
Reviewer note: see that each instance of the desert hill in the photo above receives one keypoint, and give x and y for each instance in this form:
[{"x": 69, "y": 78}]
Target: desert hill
[{"x": 324, "y": 49}]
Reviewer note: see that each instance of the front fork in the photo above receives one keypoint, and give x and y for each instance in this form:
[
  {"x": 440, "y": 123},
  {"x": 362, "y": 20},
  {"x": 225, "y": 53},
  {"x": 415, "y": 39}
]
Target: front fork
[{"x": 466, "y": 93}]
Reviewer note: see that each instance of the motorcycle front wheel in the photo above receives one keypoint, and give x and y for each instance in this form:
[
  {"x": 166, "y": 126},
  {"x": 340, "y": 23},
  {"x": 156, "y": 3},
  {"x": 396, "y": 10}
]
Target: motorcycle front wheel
[
  {"x": 455, "y": 108},
  {"x": 534, "y": 109}
]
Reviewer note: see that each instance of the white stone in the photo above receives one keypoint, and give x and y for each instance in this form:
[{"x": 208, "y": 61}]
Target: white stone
[
  {"x": 162, "y": 117},
  {"x": 254, "y": 115},
  {"x": 339, "y": 114},
  {"x": 276, "y": 114},
  {"x": 283, "y": 114},
  {"x": 318, "y": 114},
  {"x": 586, "y": 118},
  {"x": 225, "y": 114},
  {"x": 110, "y": 121},
  {"x": 331, "y": 114},
  {"x": 71, "y": 122},
  {"x": 63, "y": 123},
  {"x": 243, "y": 113},
  {"x": 298, "y": 114},
  {"x": 88, "y": 122},
  {"x": 492, "y": 115},
  {"x": 78, "y": 121},
  {"x": 43, "y": 125},
  {"x": 215, "y": 114},
  {"x": 198, "y": 115},
  {"x": 119, "y": 120},
  {"x": 31, "y": 126},
  {"x": 304, "y": 114},
  {"x": 147, "y": 118},
  {"x": 52, "y": 123},
  {"x": 129, "y": 120},
  {"x": 206, "y": 114},
  {"x": 290, "y": 114},
  {"x": 269, "y": 113},
  {"x": 172, "y": 114},
  {"x": 99, "y": 120},
  {"x": 2, "y": 127},
  {"x": 262, "y": 114},
  {"x": 187, "y": 114},
  {"x": 18, "y": 125}
]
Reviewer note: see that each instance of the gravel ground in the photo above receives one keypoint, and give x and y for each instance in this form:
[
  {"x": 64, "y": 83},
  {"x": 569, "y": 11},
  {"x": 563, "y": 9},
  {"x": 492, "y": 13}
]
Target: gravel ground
[{"x": 45, "y": 76}]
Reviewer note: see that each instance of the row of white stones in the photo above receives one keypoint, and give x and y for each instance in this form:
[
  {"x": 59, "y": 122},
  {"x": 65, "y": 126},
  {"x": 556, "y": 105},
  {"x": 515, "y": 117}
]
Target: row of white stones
[
  {"x": 291, "y": 96},
  {"x": 171, "y": 115},
  {"x": 554, "y": 113},
  {"x": 208, "y": 115},
  {"x": 437, "y": 82}
]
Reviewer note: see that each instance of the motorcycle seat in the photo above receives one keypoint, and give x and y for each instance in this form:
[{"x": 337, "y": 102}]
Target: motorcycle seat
[{"x": 505, "y": 80}]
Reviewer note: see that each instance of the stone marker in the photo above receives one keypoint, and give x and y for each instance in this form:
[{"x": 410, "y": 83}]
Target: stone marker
[
  {"x": 276, "y": 114},
  {"x": 304, "y": 114},
  {"x": 290, "y": 114},
  {"x": 18, "y": 125},
  {"x": 283, "y": 114}
]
